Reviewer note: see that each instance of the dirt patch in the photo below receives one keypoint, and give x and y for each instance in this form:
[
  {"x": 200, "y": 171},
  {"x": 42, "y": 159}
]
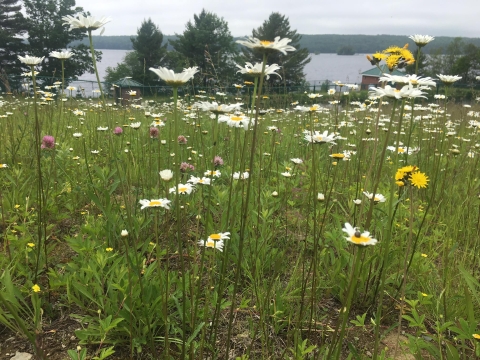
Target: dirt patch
[{"x": 397, "y": 347}]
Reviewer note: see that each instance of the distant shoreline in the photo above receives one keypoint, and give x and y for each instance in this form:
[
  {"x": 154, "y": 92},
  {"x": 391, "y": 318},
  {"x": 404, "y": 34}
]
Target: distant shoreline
[{"x": 316, "y": 44}]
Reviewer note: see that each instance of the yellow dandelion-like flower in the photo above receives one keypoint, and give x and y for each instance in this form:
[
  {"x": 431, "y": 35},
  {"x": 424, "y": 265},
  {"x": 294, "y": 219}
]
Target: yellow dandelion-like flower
[
  {"x": 109, "y": 249},
  {"x": 379, "y": 56},
  {"x": 419, "y": 179},
  {"x": 31, "y": 245},
  {"x": 476, "y": 336},
  {"x": 36, "y": 288},
  {"x": 392, "y": 61}
]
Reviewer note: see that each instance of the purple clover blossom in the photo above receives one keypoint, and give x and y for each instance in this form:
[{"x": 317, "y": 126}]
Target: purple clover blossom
[
  {"x": 184, "y": 167},
  {"x": 154, "y": 132},
  {"x": 118, "y": 130},
  {"x": 182, "y": 139},
  {"x": 48, "y": 142},
  {"x": 217, "y": 161}
]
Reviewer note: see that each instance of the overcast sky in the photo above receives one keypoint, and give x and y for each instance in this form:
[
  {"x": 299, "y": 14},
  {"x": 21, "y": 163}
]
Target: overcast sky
[{"x": 371, "y": 17}]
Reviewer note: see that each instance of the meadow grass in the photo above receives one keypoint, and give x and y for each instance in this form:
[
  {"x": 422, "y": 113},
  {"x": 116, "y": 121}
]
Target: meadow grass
[{"x": 256, "y": 267}]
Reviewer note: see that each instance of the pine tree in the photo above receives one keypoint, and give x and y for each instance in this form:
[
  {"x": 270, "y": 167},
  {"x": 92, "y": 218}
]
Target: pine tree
[
  {"x": 149, "y": 50},
  {"x": 293, "y": 63},
  {"x": 46, "y": 33},
  {"x": 12, "y": 26},
  {"x": 208, "y": 44}
]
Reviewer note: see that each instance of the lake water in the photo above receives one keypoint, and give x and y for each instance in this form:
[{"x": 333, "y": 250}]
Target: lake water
[{"x": 322, "y": 67}]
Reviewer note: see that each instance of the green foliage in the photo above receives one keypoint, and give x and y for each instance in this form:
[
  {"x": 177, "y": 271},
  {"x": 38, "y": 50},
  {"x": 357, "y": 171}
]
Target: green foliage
[
  {"x": 149, "y": 50},
  {"x": 346, "y": 50},
  {"x": 129, "y": 67},
  {"x": 12, "y": 27},
  {"x": 207, "y": 43},
  {"x": 46, "y": 33},
  {"x": 291, "y": 64}
]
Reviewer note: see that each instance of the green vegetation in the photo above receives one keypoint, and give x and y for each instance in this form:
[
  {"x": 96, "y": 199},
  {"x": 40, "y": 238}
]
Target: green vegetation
[
  {"x": 346, "y": 50},
  {"x": 293, "y": 63},
  {"x": 316, "y": 44}
]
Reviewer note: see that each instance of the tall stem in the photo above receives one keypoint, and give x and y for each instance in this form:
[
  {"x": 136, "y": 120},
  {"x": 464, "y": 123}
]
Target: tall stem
[
  {"x": 95, "y": 66},
  {"x": 38, "y": 141},
  {"x": 244, "y": 215}
]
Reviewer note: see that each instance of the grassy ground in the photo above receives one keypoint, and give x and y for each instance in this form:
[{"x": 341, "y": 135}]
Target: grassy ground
[{"x": 287, "y": 284}]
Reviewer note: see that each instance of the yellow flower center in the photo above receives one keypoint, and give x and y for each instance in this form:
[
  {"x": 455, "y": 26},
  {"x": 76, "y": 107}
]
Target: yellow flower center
[
  {"x": 215, "y": 237},
  {"x": 265, "y": 42},
  {"x": 183, "y": 189},
  {"x": 236, "y": 118},
  {"x": 359, "y": 239},
  {"x": 210, "y": 243},
  {"x": 155, "y": 203}
]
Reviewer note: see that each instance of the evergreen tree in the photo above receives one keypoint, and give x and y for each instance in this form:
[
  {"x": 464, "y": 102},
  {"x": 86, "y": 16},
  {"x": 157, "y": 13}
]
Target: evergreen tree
[
  {"x": 46, "y": 33},
  {"x": 129, "y": 67},
  {"x": 293, "y": 63},
  {"x": 12, "y": 26},
  {"x": 149, "y": 51},
  {"x": 208, "y": 44}
]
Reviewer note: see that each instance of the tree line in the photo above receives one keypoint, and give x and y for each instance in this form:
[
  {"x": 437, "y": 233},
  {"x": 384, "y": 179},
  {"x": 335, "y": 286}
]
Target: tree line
[
  {"x": 206, "y": 42},
  {"x": 316, "y": 44}
]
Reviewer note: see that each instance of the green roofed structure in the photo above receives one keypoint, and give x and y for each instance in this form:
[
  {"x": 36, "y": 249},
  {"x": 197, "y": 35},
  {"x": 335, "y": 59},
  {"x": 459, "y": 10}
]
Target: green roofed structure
[
  {"x": 371, "y": 76},
  {"x": 122, "y": 89}
]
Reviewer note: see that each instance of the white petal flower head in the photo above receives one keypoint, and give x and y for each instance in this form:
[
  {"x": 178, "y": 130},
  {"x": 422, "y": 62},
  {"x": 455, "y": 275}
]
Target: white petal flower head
[
  {"x": 155, "y": 203},
  {"x": 219, "y": 236},
  {"x": 61, "y": 54},
  {"x": 215, "y": 108},
  {"x": 256, "y": 70},
  {"x": 267, "y": 46},
  {"x": 166, "y": 175},
  {"x": 212, "y": 244},
  {"x": 124, "y": 233},
  {"x": 376, "y": 199},
  {"x": 236, "y": 120},
  {"x": 237, "y": 175},
  {"x": 358, "y": 238},
  {"x": 31, "y": 60},
  {"x": 319, "y": 138},
  {"x": 85, "y": 22},
  {"x": 448, "y": 79},
  {"x": 182, "y": 188},
  {"x": 175, "y": 79},
  {"x": 135, "y": 125},
  {"x": 421, "y": 40},
  {"x": 408, "y": 91}
]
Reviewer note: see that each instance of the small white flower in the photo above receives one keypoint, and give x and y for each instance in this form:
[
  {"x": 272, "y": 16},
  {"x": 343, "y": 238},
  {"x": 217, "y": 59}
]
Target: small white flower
[
  {"x": 77, "y": 135},
  {"x": 135, "y": 125},
  {"x": 320, "y": 197},
  {"x": 124, "y": 233},
  {"x": 61, "y": 54},
  {"x": 274, "y": 194},
  {"x": 421, "y": 40},
  {"x": 166, "y": 175},
  {"x": 31, "y": 60}
]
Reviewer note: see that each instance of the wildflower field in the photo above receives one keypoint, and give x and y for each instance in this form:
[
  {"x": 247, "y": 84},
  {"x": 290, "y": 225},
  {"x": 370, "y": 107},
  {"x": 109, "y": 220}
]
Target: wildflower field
[{"x": 207, "y": 226}]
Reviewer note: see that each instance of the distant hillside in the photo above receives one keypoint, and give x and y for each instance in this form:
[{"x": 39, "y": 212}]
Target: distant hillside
[{"x": 328, "y": 43}]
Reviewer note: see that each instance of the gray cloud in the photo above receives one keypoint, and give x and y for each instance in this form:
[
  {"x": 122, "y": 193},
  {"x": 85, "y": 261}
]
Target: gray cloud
[{"x": 397, "y": 17}]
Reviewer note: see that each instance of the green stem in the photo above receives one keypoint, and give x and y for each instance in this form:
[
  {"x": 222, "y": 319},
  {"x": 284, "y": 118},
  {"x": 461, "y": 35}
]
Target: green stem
[
  {"x": 245, "y": 212},
  {"x": 95, "y": 66}
]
